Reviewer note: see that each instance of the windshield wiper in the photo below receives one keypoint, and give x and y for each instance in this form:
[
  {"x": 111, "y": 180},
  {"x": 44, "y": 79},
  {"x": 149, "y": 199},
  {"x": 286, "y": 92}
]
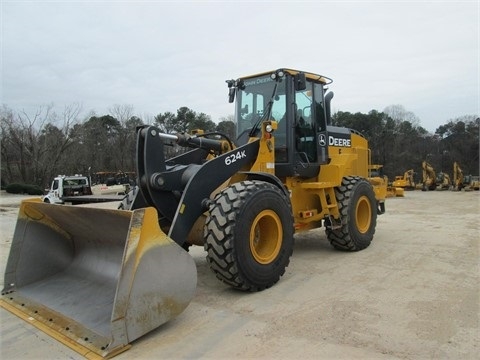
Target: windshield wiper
[{"x": 266, "y": 112}]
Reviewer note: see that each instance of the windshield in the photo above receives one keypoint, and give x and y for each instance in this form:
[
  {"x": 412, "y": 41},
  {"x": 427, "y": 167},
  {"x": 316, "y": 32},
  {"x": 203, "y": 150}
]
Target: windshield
[
  {"x": 252, "y": 101},
  {"x": 75, "y": 182}
]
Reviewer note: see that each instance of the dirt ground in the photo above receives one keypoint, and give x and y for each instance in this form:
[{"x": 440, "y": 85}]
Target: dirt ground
[{"x": 413, "y": 294}]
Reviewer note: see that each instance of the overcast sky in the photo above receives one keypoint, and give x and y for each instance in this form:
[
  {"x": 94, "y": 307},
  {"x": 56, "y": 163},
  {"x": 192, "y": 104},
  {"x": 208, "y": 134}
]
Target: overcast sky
[{"x": 158, "y": 56}]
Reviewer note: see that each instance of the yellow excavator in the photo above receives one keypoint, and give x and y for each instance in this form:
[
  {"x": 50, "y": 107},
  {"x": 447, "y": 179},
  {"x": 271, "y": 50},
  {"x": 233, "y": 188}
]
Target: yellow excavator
[
  {"x": 465, "y": 182},
  {"x": 406, "y": 181},
  {"x": 458, "y": 177},
  {"x": 443, "y": 181},
  {"x": 97, "y": 279},
  {"x": 429, "y": 177},
  {"x": 471, "y": 182}
]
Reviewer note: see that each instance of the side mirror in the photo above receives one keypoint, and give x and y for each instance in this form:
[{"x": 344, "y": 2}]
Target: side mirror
[
  {"x": 231, "y": 94},
  {"x": 300, "y": 81}
]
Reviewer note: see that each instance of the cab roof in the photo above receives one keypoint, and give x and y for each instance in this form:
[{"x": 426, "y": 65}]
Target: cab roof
[{"x": 315, "y": 77}]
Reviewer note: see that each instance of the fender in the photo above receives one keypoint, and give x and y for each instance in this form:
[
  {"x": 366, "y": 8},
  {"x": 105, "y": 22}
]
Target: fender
[
  {"x": 192, "y": 203},
  {"x": 270, "y": 178}
]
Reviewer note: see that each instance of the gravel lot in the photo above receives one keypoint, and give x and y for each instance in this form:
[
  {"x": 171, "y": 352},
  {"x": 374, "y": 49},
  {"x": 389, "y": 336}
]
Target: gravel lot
[{"x": 413, "y": 294}]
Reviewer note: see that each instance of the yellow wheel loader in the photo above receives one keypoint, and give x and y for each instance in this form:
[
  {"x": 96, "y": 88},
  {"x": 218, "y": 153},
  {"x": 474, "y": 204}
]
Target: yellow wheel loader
[
  {"x": 406, "y": 181},
  {"x": 97, "y": 279},
  {"x": 380, "y": 182}
]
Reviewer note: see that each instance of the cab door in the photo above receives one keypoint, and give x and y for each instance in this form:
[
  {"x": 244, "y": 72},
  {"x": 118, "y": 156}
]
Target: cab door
[
  {"x": 319, "y": 114},
  {"x": 311, "y": 145}
]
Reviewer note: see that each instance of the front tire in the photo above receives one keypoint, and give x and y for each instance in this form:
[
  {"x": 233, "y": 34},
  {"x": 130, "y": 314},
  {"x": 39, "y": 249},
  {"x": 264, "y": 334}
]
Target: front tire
[
  {"x": 249, "y": 235},
  {"x": 358, "y": 215}
]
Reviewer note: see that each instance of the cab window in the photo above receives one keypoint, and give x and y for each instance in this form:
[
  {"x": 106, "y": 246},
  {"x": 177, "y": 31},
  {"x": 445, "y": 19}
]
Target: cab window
[
  {"x": 319, "y": 108},
  {"x": 305, "y": 125}
]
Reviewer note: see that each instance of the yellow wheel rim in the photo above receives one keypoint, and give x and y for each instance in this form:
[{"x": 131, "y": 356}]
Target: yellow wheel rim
[
  {"x": 363, "y": 214},
  {"x": 266, "y": 236}
]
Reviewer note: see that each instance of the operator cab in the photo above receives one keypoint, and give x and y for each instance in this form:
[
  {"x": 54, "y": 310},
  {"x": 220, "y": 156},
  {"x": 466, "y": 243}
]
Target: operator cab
[{"x": 296, "y": 101}]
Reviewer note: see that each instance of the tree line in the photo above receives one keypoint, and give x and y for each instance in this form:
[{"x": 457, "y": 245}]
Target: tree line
[
  {"x": 399, "y": 143},
  {"x": 35, "y": 148}
]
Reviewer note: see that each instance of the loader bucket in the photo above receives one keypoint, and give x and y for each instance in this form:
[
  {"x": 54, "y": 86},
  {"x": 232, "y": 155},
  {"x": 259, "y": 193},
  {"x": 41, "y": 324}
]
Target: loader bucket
[{"x": 95, "y": 279}]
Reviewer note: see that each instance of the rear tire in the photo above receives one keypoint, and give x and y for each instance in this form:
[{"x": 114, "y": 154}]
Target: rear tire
[
  {"x": 249, "y": 235},
  {"x": 358, "y": 213}
]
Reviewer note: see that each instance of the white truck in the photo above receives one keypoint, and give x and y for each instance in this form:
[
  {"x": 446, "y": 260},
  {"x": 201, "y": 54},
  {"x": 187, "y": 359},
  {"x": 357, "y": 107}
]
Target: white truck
[{"x": 77, "y": 189}]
